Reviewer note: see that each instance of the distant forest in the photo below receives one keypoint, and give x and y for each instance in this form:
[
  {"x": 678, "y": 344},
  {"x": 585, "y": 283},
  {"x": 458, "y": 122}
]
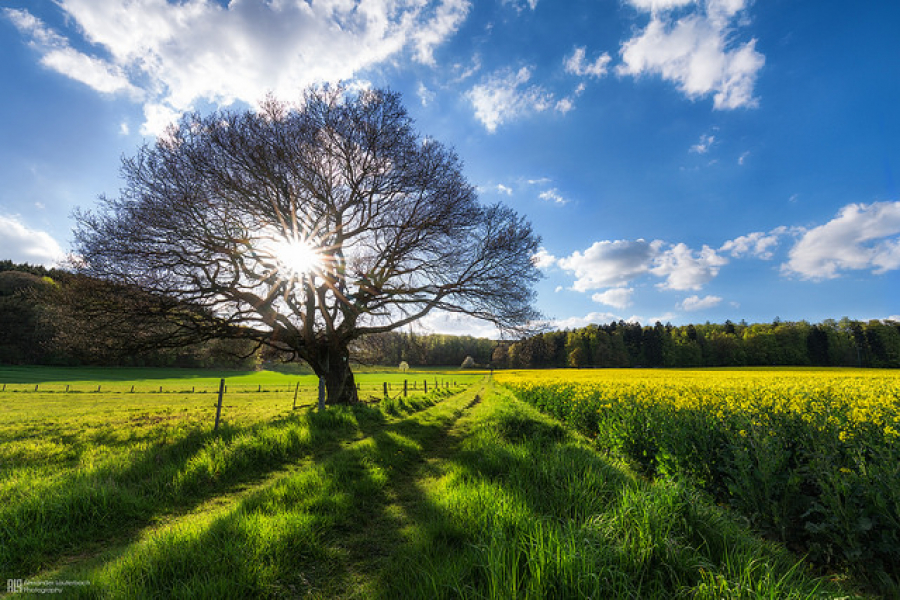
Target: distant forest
[{"x": 37, "y": 327}]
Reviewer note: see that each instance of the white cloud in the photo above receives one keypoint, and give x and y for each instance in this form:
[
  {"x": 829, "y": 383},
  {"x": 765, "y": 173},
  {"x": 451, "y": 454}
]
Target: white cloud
[
  {"x": 696, "y": 52},
  {"x": 503, "y": 189},
  {"x": 610, "y": 263},
  {"x": 172, "y": 55},
  {"x": 577, "y": 65},
  {"x": 756, "y": 244},
  {"x": 553, "y": 195},
  {"x": 685, "y": 270},
  {"x": 692, "y": 303},
  {"x": 743, "y": 157},
  {"x": 588, "y": 319},
  {"x": 617, "y": 297},
  {"x": 426, "y": 96},
  {"x": 20, "y": 243},
  {"x": 505, "y": 96},
  {"x": 564, "y": 105},
  {"x": 703, "y": 146},
  {"x": 543, "y": 259},
  {"x": 658, "y": 5},
  {"x": 861, "y": 237},
  {"x": 455, "y": 324},
  {"x": 521, "y": 4},
  {"x": 613, "y": 264}
]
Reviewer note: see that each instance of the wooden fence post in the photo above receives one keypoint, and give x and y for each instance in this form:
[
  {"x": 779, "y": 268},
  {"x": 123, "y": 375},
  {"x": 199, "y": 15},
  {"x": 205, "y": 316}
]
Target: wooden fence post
[
  {"x": 219, "y": 404},
  {"x": 426, "y": 386},
  {"x": 404, "y": 388},
  {"x": 296, "y": 391},
  {"x": 385, "y": 389},
  {"x": 321, "y": 406}
]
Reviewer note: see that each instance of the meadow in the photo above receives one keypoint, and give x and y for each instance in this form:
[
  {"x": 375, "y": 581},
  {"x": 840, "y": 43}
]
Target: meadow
[
  {"x": 463, "y": 492},
  {"x": 810, "y": 457}
]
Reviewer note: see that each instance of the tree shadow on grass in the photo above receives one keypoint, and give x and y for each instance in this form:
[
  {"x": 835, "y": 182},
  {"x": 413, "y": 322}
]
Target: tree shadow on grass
[
  {"x": 115, "y": 501},
  {"x": 419, "y": 508},
  {"x": 524, "y": 511}
]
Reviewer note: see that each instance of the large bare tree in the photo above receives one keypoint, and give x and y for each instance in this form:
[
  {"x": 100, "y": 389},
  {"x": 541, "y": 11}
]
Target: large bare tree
[{"x": 304, "y": 227}]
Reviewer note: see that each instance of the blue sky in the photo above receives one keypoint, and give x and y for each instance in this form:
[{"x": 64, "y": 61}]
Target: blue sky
[{"x": 683, "y": 160}]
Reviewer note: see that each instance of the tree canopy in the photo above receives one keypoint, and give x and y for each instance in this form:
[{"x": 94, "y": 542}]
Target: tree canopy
[{"x": 307, "y": 227}]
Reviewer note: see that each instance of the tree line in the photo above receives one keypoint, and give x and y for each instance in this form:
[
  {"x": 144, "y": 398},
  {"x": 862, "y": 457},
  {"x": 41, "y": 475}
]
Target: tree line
[
  {"x": 44, "y": 320},
  {"x": 844, "y": 343},
  {"x": 43, "y": 314}
]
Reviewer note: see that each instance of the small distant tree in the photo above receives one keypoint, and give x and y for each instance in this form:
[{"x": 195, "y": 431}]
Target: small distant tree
[
  {"x": 404, "y": 366},
  {"x": 468, "y": 363},
  {"x": 304, "y": 228}
]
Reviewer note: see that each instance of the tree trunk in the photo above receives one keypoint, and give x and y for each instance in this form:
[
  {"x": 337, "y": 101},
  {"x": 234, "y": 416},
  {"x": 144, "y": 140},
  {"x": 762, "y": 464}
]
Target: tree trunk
[{"x": 333, "y": 365}]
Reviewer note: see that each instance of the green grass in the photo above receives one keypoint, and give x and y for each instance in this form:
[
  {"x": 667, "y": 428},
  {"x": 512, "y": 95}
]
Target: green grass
[{"x": 471, "y": 495}]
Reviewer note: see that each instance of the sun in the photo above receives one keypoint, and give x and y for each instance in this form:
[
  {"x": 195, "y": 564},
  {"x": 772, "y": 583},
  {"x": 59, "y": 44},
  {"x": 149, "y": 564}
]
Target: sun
[{"x": 297, "y": 256}]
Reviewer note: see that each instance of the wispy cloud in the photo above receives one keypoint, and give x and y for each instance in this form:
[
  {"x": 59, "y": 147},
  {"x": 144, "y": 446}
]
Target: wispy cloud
[
  {"x": 506, "y": 96},
  {"x": 171, "y": 55},
  {"x": 703, "y": 146},
  {"x": 576, "y": 64},
  {"x": 697, "y": 51},
  {"x": 692, "y": 303},
  {"x": 553, "y": 195}
]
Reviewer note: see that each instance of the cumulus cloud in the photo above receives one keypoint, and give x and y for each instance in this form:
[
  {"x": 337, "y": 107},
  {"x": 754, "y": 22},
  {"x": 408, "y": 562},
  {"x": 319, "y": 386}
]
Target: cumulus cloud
[
  {"x": 860, "y": 237},
  {"x": 610, "y": 263},
  {"x": 171, "y": 55},
  {"x": 506, "y": 96},
  {"x": 685, "y": 269},
  {"x": 697, "y": 303},
  {"x": 756, "y": 244},
  {"x": 617, "y": 297},
  {"x": 697, "y": 51},
  {"x": 576, "y": 64},
  {"x": 543, "y": 259},
  {"x": 20, "y": 243}
]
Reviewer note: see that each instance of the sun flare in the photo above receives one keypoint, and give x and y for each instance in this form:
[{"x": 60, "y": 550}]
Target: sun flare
[{"x": 297, "y": 256}]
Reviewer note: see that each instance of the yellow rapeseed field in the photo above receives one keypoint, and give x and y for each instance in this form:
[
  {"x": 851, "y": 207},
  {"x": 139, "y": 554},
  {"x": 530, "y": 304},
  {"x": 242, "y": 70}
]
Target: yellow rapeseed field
[
  {"x": 811, "y": 456},
  {"x": 837, "y": 397}
]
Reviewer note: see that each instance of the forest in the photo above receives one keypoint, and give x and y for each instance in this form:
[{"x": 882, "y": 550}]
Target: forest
[{"x": 39, "y": 326}]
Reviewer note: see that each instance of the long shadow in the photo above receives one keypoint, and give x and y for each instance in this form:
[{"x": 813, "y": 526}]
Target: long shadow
[
  {"x": 114, "y": 503},
  {"x": 360, "y": 514},
  {"x": 311, "y": 531}
]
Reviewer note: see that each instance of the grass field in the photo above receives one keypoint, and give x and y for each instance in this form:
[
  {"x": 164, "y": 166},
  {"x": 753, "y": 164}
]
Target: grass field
[{"x": 464, "y": 492}]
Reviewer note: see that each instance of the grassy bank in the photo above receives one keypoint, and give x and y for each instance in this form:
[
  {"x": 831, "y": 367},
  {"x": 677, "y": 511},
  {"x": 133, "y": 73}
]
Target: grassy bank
[{"x": 471, "y": 494}]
